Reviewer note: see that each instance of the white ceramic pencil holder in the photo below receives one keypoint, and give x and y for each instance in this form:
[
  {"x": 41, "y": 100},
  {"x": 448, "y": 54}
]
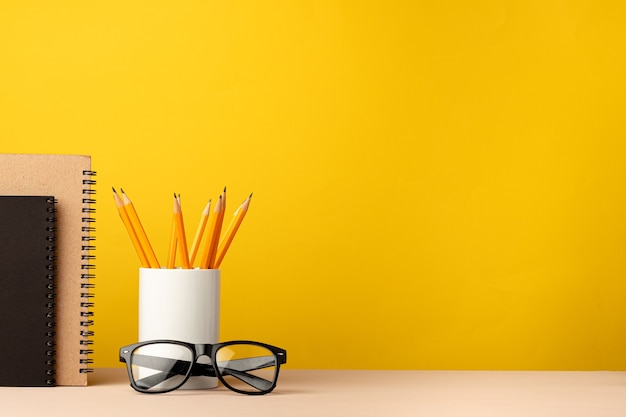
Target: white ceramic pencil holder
[{"x": 180, "y": 304}]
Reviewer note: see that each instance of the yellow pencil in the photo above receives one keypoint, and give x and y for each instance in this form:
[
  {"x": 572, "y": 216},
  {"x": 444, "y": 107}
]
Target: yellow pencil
[
  {"x": 199, "y": 232},
  {"x": 171, "y": 253},
  {"x": 141, "y": 233},
  {"x": 231, "y": 231},
  {"x": 215, "y": 240},
  {"x": 216, "y": 235},
  {"x": 212, "y": 236},
  {"x": 221, "y": 218},
  {"x": 129, "y": 228},
  {"x": 180, "y": 235}
]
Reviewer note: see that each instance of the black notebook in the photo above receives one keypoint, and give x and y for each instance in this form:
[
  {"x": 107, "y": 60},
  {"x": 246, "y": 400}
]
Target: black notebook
[{"x": 27, "y": 290}]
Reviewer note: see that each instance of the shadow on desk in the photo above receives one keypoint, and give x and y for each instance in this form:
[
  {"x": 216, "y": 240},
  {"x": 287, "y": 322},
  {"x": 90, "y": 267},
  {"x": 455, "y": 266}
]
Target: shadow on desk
[
  {"x": 108, "y": 376},
  {"x": 118, "y": 376}
]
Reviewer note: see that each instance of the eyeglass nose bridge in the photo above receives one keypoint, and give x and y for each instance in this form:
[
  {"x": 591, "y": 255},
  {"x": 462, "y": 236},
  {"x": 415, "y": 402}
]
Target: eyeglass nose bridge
[{"x": 201, "y": 368}]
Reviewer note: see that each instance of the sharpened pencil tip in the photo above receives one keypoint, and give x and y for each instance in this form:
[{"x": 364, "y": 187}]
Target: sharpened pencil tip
[{"x": 113, "y": 188}]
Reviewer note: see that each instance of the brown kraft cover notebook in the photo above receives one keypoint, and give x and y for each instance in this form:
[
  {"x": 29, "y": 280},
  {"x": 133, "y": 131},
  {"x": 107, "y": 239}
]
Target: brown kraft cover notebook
[{"x": 68, "y": 179}]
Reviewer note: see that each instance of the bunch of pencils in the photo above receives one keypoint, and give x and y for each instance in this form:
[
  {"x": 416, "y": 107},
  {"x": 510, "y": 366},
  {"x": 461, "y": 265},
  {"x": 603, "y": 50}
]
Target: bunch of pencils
[{"x": 207, "y": 249}]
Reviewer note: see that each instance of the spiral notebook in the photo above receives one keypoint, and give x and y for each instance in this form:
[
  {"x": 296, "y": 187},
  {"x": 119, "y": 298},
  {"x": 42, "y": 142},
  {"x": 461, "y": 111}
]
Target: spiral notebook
[
  {"x": 69, "y": 179},
  {"x": 27, "y": 290}
]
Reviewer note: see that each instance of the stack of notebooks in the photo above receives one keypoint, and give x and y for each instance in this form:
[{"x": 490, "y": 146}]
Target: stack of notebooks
[{"x": 46, "y": 225}]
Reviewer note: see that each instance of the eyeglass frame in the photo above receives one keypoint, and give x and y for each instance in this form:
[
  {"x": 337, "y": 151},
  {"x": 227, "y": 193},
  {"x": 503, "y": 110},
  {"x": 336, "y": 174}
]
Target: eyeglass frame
[{"x": 202, "y": 369}]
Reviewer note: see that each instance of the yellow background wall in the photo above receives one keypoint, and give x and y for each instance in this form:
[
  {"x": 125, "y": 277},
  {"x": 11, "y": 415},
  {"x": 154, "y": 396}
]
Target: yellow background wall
[{"x": 437, "y": 185}]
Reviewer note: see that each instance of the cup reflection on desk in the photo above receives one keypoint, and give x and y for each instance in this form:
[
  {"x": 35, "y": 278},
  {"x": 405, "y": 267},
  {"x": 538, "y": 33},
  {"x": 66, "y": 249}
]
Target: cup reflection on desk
[{"x": 180, "y": 304}]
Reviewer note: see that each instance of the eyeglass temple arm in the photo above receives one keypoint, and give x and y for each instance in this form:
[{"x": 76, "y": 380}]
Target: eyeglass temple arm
[
  {"x": 169, "y": 368},
  {"x": 237, "y": 368},
  {"x": 179, "y": 367},
  {"x": 173, "y": 366}
]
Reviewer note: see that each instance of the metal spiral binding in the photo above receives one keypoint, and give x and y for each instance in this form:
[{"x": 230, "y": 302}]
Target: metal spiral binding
[
  {"x": 87, "y": 266},
  {"x": 50, "y": 352}
]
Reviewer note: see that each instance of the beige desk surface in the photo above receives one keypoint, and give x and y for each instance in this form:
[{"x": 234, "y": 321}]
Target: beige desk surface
[{"x": 343, "y": 393}]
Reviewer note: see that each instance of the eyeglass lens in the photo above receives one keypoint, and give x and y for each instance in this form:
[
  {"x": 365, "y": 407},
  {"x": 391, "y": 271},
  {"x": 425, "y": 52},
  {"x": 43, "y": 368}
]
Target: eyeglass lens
[
  {"x": 160, "y": 367},
  {"x": 247, "y": 367}
]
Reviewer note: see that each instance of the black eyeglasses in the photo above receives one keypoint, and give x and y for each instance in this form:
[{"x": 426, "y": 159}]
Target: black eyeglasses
[{"x": 243, "y": 366}]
